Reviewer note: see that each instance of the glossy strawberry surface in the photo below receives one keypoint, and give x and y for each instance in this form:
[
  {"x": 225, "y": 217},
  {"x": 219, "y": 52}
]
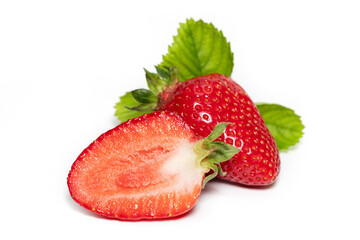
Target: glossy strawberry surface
[{"x": 207, "y": 100}]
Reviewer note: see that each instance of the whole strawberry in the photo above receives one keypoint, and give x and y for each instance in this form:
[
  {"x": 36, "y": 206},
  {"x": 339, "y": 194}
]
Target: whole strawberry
[{"x": 207, "y": 100}]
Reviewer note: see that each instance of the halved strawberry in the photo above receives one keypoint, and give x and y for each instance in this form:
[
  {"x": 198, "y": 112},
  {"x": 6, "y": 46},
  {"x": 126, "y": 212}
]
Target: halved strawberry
[{"x": 152, "y": 166}]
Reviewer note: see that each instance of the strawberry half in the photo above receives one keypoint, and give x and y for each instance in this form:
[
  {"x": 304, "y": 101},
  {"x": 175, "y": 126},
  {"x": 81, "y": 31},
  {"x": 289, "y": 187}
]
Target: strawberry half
[
  {"x": 149, "y": 167},
  {"x": 207, "y": 100}
]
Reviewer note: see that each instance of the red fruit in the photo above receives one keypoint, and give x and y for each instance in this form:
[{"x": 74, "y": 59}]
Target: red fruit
[
  {"x": 207, "y": 100},
  {"x": 148, "y": 167}
]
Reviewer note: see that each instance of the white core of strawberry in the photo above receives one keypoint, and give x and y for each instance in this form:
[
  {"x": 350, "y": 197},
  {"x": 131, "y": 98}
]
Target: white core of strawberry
[
  {"x": 196, "y": 159},
  {"x": 184, "y": 165}
]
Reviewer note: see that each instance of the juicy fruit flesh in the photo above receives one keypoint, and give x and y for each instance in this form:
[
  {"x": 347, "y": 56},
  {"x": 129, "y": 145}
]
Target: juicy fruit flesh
[
  {"x": 141, "y": 169},
  {"x": 205, "y": 101}
]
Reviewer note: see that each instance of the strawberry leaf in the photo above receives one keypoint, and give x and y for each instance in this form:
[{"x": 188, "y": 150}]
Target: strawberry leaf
[
  {"x": 216, "y": 132},
  {"x": 162, "y": 79},
  {"x": 155, "y": 83},
  {"x": 199, "y": 49},
  {"x": 123, "y": 112},
  {"x": 213, "y": 153},
  {"x": 144, "y": 96},
  {"x": 141, "y": 101},
  {"x": 284, "y": 124}
]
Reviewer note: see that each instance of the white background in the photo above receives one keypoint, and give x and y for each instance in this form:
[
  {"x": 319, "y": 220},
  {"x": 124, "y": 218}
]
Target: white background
[{"x": 64, "y": 64}]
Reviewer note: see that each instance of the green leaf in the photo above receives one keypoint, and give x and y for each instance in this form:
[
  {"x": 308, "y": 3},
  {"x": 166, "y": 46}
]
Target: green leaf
[
  {"x": 165, "y": 76},
  {"x": 199, "y": 49},
  {"x": 154, "y": 82},
  {"x": 211, "y": 154},
  {"x": 143, "y": 107},
  {"x": 144, "y": 96},
  {"x": 223, "y": 151},
  {"x": 216, "y": 132},
  {"x": 284, "y": 124},
  {"x": 211, "y": 176},
  {"x": 123, "y": 113},
  {"x": 163, "y": 73}
]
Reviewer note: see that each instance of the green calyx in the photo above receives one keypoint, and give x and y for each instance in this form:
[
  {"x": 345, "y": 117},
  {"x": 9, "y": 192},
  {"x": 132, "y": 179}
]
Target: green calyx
[
  {"x": 211, "y": 153},
  {"x": 141, "y": 101},
  {"x": 164, "y": 77},
  {"x": 146, "y": 100}
]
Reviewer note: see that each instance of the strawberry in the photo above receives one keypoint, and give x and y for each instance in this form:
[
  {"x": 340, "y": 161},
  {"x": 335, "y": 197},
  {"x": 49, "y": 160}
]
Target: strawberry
[
  {"x": 207, "y": 100},
  {"x": 149, "y": 167}
]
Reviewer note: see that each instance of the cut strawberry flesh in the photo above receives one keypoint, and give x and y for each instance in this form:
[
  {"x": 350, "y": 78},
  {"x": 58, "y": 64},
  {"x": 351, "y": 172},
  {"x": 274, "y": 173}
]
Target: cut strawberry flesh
[{"x": 144, "y": 168}]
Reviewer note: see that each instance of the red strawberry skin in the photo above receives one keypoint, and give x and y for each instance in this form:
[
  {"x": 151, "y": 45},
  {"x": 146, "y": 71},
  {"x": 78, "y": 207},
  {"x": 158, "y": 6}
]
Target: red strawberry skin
[
  {"x": 126, "y": 174},
  {"x": 207, "y": 100}
]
